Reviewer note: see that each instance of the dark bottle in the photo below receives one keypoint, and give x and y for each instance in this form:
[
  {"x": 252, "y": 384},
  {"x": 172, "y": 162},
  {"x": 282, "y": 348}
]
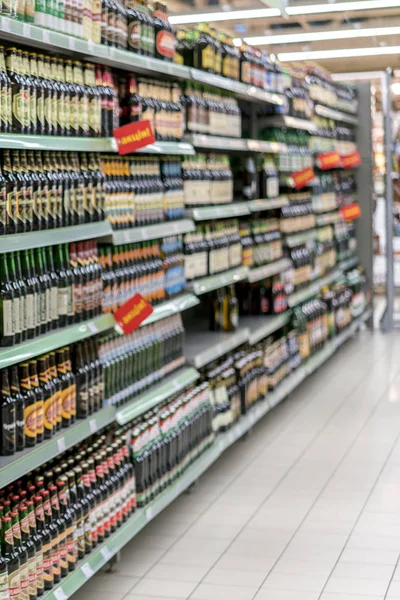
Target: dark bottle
[
  {"x": 72, "y": 380},
  {"x": 48, "y": 405},
  {"x": 30, "y": 260},
  {"x": 22, "y": 305},
  {"x": 53, "y": 289},
  {"x": 65, "y": 392},
  {"x": 8, "y": 417},
  {"x": 165, "y": 40},
  {"x": 29, "y": 545},
  {"x": 39, "y": 395},
  {"x": 11, "y": 559},
  {"x": 29, "y": 405},
  {"x": 4, "y": 587},
  {"x": 84, "y": 505},
  {"x": 59, "y": 524},
  {"x": 18, "y": 91},
  {"x": 3, "y": 197},
  {"x": 38, "y": 544},
  {"x": 89, "y": 521},
  {"x": 82, "y": 382},
  {"x": 75, "y": 512},
  {"x": 66, "y": 516},
  {"x": 69, "y": 279},
  {"x": 53, "y": 531},
  {"x": 17, "y": 298},
  {"x": 63, "y": 285},
  {"x": 46, "y": 541},
  {"x": 58, "y": 390},
  {"x": 13, "y": 222},
  {"x": 29, "y": 295},
  {"x": 22, "y": 554},
  {"x": 7, "y": 332},
  {"x": 19, "y": 403}
]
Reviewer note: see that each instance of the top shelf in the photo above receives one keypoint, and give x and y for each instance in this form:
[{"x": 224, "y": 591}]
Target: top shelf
[
  {"x": 336, "y": 115},
  {"x": 53, "y": 41}
]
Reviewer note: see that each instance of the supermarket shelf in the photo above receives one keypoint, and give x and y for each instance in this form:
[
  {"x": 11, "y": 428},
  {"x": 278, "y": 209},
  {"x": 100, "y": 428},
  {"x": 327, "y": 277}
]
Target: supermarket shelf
[
  {"x": 303, "y": 295},
  {"x": 152, "y": 232},
  {"x": 268, "y": 270},
  {"x": 222, "y": 211},
  {"x": 54, "y": 340},
  {"x": 86, "y": 144},
  {"x": 336, "y": 115},
  {"x": 203, "y": 346},
  {"x": 263, "y": 326},
  {"x": 300, "y": 238},
  {"x": 289, "y": 122},
  {"x": 330, "y": 278},
  {"x": 102, "y": 555},
  {"x": 349, "y": 263},
  {"x": 213, "y": 142},
  {"x": 172, "y": 385},
  {"x": 260, "y": 205},
  {"x": 14, "y": 467},
  {"x": 214, "y": 282},
  {"x": 329, "y": 218},
  {"x": 172, "y": 307},
  {"x": 242, "y": 90},
  {"x": 50, "y": 237}
]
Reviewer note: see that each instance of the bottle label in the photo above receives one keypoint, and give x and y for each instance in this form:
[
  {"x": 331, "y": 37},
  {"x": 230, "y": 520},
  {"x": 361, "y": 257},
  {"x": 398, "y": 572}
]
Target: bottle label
[
  {"x": 62, "y": 303},
  {"x": 24, "y": 579},
  {"x": 40, "y": 417},
  {"x": 72, "y": 400},
  {"x": 32, "y": 576},
  {"x": 17, "y": 315},
  {"x": 29, "y": 311},
  {"x": 30, "y": 420},
  {"x": 4, "y": 591},
  {"x": 49, "y": 413},
  {"x": 14, "y": 585},
  {"x": 54, "y": 303},
  {"x": 8, "y": 320},
  {"x": 39, "y": 570},
  {"x": 47, "y": 564}
]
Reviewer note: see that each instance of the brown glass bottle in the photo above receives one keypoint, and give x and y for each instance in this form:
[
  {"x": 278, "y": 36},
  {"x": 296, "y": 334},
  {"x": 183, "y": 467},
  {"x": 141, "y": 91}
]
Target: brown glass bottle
[
  {"x": 46, "y": 541},
  {"x": 29, "y": 545},
  {"x": 22, "y": 554},
  {"x": 8, "y": 417},
  {"x": 39, "y": 394},
  {"x": 29, "y": 405},
  {"x": 19, "y": 403},
  {"x": 11, "y": 558},
  {"x": 47, "y": 397},
  {"x": 34, "y": 535}
]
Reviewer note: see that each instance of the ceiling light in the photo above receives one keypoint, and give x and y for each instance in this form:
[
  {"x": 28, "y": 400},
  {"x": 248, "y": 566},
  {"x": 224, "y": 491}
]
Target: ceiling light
[
  {"x": 321, "y": 36},
  {"x": 235, "y": 15},
  {"x": 344, "y": 53},
  {"x": 315, "y": 9}
]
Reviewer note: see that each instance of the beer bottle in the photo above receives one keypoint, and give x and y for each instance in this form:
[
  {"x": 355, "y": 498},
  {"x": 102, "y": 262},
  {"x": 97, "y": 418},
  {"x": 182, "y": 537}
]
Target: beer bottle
[
  {"x": 30, "y": 262},
  {"x": 58, "y": 390},
  {"x": 36, "y": 539},
  {"x": 77, "y": 283},
  {"x": 13, "y": 223},
  {"x": 69, "y": 561},
  {"x": 47, "y": 278},
  {"x": 69, "y": 278},
  {"x": 48, "y": 404},
  {"x": 39, "y": 395},
  {"x": 35, "y": 183},
  {"x": 23, "y": 288},
  {"x": 42, "y": 200},
  {"x": 89, "y": 520},
  {"x": 19, "y": 403},
  {"x": 83, "y": 100},
  {"x": 59, "y": 97},
  {"x": 20, "y": 203},
  {"x": 46, "y": 541},
  {"x": 72, "y": 382},
  {"x": 51, "y": 108},
  {"x": 30, "y": 113},
  {"x": 3, "y": 200},
  {"x": 22, "y": 554},
  {"x": 28, "y": 201},
  {"x": 7, "y": 331},
  {"x": 82, "y": 510},
  {"x": 53, "y": 288},
  {"x": 36, "y": 125},
  {"x": 29, "y": 403},
  {"x": 17, "y": 91},
  {"x": 45, "y": 98},
  {"x": 29, "y": 545},
  {"x": 11, "y": 559},
  {"x": 4, "y": 590},
  {"x": 8, "y": 417},
  {"x": 17, "y": 298},
  {"x": 5, "y": 105},
  {"x": 59, "y": 526},
  {"x": 40, "y": 86},
  {"x": 44, "y": 290},
  {"x": 82, "y": 383},
  {"x": 53, "y": 530}
]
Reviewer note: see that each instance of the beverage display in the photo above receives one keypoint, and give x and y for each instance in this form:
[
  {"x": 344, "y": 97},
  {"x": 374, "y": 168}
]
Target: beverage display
[
  {"x": 267, "y": 297},
  {"x": 297, "y": 217},
  {"x": 41, "y": 396},
  {"x": 49, "y": 288},
  {"x": 134, "y": 362},
  {"x": 212, "y": 248},
  {"x": 211, "y": 111},
  {"x": 261, "y": 241},
  {"x": 223, "y": 310},
  {"x": 207, "y": 180}
]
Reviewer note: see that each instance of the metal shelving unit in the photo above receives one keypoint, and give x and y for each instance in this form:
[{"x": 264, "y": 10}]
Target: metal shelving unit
[
  {"x": 51, "y": 237},
  {"x": 265, "y": 271},
  {"x": 172, "y": 307},
  {"x": 151, "y": 232},
  {"x": 289, "y": 122},
  {"x": 221, "y": 211},
  {"x": 263, "y": 326},
  {"x": 214, "y": 282},
  {"x": 301, "y": 238},
  {"x": 336, "y": 115},
  {"x": 213, "y": 142},
  {"x": 265, "y": 204},
  {"x": 303, "y": 295},
  {"x": 102, "y": 555}
]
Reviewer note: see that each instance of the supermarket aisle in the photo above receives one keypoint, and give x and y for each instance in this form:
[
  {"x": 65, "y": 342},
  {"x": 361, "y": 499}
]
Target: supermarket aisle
[{"x": 306, "y": 508}]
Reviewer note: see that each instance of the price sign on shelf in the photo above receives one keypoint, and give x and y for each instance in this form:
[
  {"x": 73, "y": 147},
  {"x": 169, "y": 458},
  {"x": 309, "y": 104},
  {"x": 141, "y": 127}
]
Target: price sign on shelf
[
  {"x": 351, "y": 160},
  {"x": 131, "y": 314},
  {"x": 301, "y": 178},
  {"x": 351, "y": 212},
  {"x": 134, "y": 136},
  {"x": 328, "y": 160}
]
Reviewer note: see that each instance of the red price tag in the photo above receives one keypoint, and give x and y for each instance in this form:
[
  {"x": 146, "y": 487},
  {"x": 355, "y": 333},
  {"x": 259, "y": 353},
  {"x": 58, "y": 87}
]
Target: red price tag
[
  {"x": 131, "y": 314},
  {"x": 134, "y": 136},
  {"x": 328, "y": 160},
  {"x": 302, "y": 178},
  {"x": 351, "y": 160},
  {"x": 351, "y": 212}
]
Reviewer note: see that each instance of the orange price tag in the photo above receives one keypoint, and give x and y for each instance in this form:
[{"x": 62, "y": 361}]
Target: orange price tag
[
  {"x": 134, "y": 136},
  {"x": 131, "y": 314},
  {"x": 351, "y": 160},
  {"x": 328, "y": 160},
  {"x": 302, "y": 178},
  {"x": 351, "y": 212}
]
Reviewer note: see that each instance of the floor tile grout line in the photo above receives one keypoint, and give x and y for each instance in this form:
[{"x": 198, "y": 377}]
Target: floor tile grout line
[{"x": 351, "y": 393}]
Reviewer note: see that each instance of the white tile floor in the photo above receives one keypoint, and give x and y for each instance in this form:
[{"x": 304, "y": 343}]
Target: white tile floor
[{"x": 307, "y": 508}]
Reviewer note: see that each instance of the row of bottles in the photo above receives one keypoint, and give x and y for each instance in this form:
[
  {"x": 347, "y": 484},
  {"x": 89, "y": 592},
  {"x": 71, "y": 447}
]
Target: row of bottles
[
  {"x": 136, "y": 361},
  {"x": 56, "y": 515},
  {"x": 262, "y": 297},
  {"x": 48, "y": 288},
  {"x": 223, "y": 310},
  {"x": 280, "y": 355},
  {"x": 296, "y": 218},
  {"x": 211, "y": 111},
  {"x": 207, "y": 180},
  {"x": 46, "y": 95},
  {"x": 254, "y": 178},
  {"x": 167, "y": 440},
  {"x": 41, "y": 396},
  {"x": 311, "y": 323},
  {"x": 155, "y": 271},
  {"x": 261, "y": 241},
  {"x": 212, "y": 248}
]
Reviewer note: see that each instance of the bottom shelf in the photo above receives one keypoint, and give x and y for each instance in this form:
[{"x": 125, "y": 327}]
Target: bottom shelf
[{"x": 101, "y": 556}]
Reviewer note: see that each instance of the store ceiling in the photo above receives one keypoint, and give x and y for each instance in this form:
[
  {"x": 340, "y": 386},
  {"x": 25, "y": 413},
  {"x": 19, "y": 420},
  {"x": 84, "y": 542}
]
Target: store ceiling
[{"x": 371, "y": 24}]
